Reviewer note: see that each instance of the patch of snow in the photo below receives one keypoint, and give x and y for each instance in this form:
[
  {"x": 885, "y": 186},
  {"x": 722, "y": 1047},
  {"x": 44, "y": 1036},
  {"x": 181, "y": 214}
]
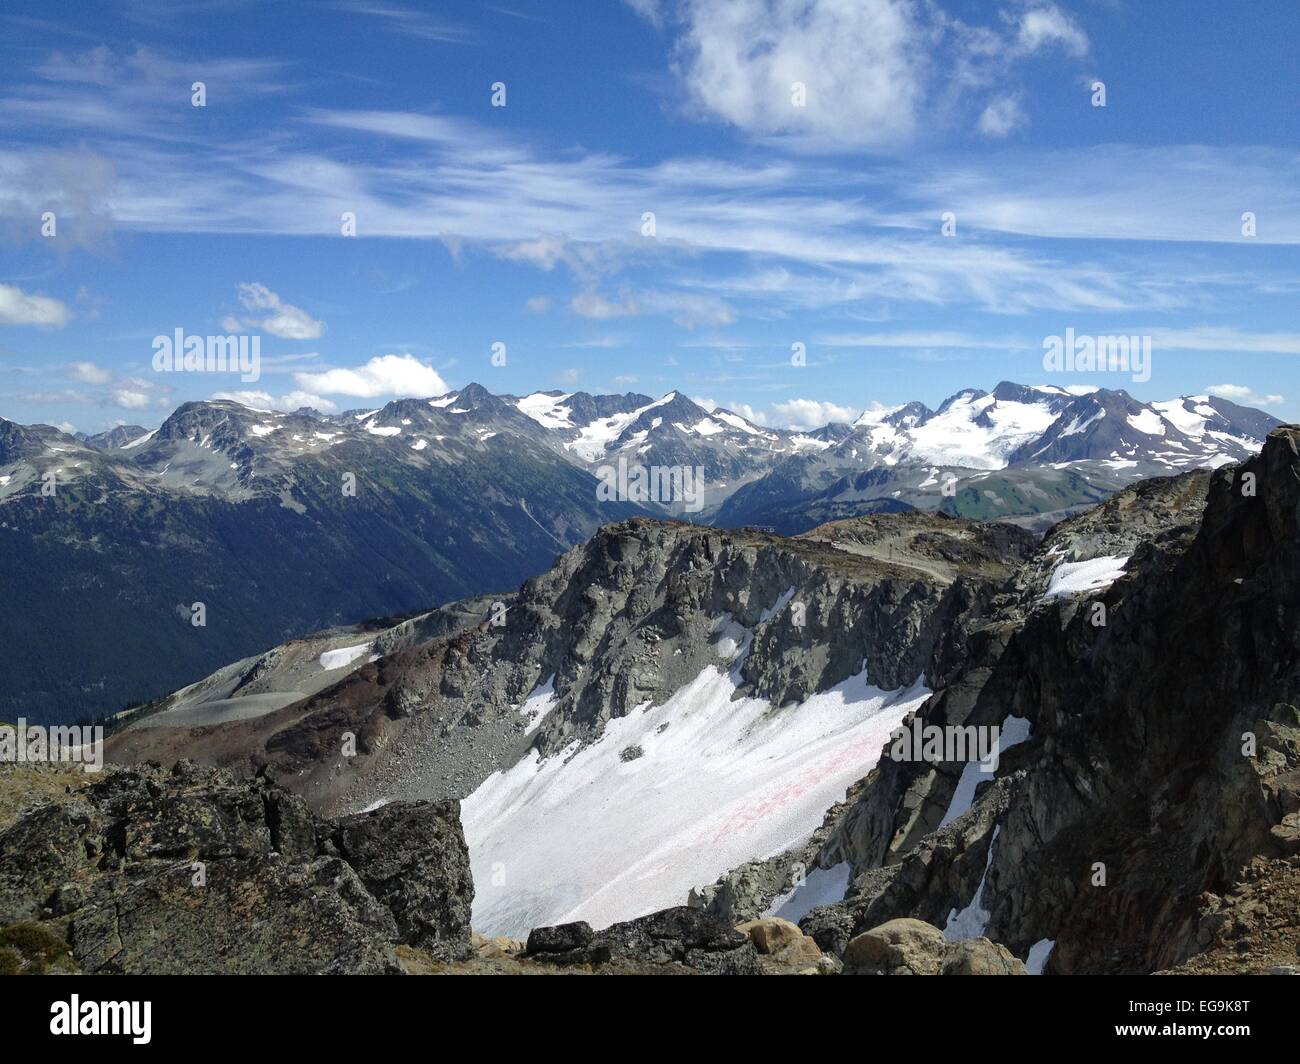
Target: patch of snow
[
  {"x": 1038, "y": 954},
  {"x": 738, "y": 422},
  {"x": 139, "y": 440},
  {"x": 419, "y": 445},
  {"x": 538, "y": 705},
  {"x": 1072, "y": 578},
  {"x": 262, "y": 430},
  {"x": 822, "y": 886},
  {"x": 336, "y": 659},
  {"x": 547, "y": 410},
  {"x": 589, "y": 836},
  {"x": 972, "y": 921},
  {"x": 1149, "y": 423},
  {"x": 384, "y": 430},
  {"x": 782, "y": 601},
  {"x": 1014, "y": 731},
  {"x": 445, "y": 401}
]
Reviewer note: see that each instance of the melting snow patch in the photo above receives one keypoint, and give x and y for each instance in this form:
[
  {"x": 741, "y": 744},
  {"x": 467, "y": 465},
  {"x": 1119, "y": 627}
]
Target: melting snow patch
[
  {"x": 138, "y": 440},
  {"x": 1071, "y": 578},
  {"x": 1038, "y": 954},
  {"x": 384, "y": 430},
  {"x": 537, "y": 705},
  {"x": 733, "y": 638},
  {"x": 1014, "y": 731},
  {"x": 972, "y": 921},
  {"x": 336, "y": 659},
  {"x": 777, "y": 606},
  {"x": 590, "y": 835},
  {"x": 823, "y": 886}
]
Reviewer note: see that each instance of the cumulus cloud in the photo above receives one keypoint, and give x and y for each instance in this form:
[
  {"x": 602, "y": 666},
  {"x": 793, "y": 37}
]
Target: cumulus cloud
[
  {"x": 537, "y": 304},
  {"x": 810, "y": 413},
  {"x": 132, "y": 395},
  {"x": 88, "y": 373},
  {"x": 1239, "y": 393},
  {"x": 280, "y": 318},
  {"x": 790, "y": 413},
  {"x": 861, "y": 73},
  {"x": 396, "y": 375},
  {"x": 266, "y": 401},
  {"x": 23, "y": 308}
]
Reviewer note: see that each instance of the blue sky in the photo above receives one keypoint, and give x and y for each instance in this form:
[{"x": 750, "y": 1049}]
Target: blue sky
[{"x": 775, "y": 224}]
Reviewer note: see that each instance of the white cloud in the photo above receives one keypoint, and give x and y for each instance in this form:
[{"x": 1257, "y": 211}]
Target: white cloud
[
  {"x": 538, "y": 304},
  {"x": 266, "y": 401},
  {"x": 810, "y": 413},
  {"x": 863, "y": 65},
  {"x": 758, "y": 417},
  {"x": 283, "y": 320},
  {"x": 22, "y": 308},
  {"x": 88, "y": 373},
  {"x": 1046, "y": 25},
  {"x": 1239, "y": 393},
  {"x": 1002, "y": 117},
  {"x": 874, "y": 71},
  {"x": 131, "y": 397},
  {"x": 396, "y": 375}
]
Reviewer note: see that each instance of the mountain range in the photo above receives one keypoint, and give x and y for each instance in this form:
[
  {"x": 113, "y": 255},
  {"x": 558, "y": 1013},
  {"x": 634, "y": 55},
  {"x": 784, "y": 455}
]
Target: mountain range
[{"x": 277, "y": 524}]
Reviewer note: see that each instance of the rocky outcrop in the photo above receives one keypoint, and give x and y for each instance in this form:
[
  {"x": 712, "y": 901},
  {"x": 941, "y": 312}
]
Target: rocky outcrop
[
  {"x": 1164, "y": 747},
  {"x": 680, "y": 937},
  {"x": 193, "y": 871}
]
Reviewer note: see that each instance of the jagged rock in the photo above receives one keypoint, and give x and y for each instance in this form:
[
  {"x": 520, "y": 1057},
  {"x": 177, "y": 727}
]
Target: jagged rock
[
  {"x": 195, "y": 871},
  {"x": 899, "y": 947},
  {"x": 412, "y": 857},
  {"x": 979, "y": 956}
]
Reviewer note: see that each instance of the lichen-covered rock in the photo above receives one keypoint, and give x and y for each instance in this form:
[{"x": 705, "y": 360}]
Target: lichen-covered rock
[
  {"x": 412, "y": 857},
  {"x": 196, "y": 871}
]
